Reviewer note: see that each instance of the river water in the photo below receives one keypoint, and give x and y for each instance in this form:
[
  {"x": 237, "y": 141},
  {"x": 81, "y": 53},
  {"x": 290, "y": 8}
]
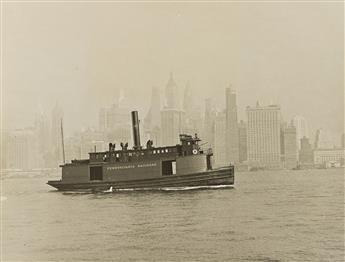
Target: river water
[{"x": 268, "y": 216}]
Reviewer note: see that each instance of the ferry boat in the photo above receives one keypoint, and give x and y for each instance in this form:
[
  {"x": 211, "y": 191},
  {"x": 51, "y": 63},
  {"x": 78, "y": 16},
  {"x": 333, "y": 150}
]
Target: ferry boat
[{"x": 183, "y": 165}]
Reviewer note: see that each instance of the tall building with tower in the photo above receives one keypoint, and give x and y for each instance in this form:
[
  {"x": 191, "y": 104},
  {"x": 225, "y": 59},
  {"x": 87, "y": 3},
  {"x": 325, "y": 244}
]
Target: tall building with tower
[
  {"x": 232, "y": 143},
  {"x": 263, "y": 136},
  {"x": 172, "y": 118}
]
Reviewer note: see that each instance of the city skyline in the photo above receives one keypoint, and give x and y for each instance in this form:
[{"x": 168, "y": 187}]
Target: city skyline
[
  {"x": 263, "y": 140},
  {"x": 144, "y": 107},
  {"x": 330, "y": 138},
  {"x": 272, "y": 52}
]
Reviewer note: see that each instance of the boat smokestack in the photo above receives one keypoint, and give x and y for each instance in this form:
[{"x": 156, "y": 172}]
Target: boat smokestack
[{"x": 136, "y": 132}]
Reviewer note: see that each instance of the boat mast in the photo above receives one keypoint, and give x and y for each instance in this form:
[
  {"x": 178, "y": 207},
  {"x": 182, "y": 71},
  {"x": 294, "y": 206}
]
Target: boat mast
[{"x": 63, "y": 144}]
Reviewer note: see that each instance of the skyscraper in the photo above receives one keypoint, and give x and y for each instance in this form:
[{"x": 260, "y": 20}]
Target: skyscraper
[
  {"x": 324, "y": 139},
  {"x": 232, "y": 144},
  {"x": 306, "y": 156},
  {"x": 115, "y": 121},
  {"x": 152, "y": 117},
  {"x": 152, "y": 121},
  {"x": 172, "y": 118},
  {"x": 209, "y": 122},
  {"x": 117, "y": 116},
  {"x": 42, "y": 133},
  {"x": 263, "y": 136},
  {"x": 219, "y": 140},
  {"x": 171, "y": 94},
  {"x": 290, "y": 147},
  {"x": 242, "y": 134},
  {"x": 302, "y": 129},
  {"x": 188, "y": 100},
  {"x": 316, "y": 140},
  {"x": 56, "y": 138},
  {"x": 171, "y": 126}
]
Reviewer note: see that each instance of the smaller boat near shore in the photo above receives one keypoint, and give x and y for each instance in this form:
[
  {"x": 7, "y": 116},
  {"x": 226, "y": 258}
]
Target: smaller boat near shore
[{"x": 183, "y": 165}]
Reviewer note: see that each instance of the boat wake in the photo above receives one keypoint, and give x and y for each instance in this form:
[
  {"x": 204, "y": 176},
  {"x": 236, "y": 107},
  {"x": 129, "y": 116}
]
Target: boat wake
[
  {"x": 110, "y": 190},
  {"x": 113, "y": 190},
  {"x": 182, "y": 188}
]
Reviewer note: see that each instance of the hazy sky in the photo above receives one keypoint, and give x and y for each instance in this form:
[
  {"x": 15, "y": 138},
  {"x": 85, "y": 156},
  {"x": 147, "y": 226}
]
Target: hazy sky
[{"x": 82, "y": 54}]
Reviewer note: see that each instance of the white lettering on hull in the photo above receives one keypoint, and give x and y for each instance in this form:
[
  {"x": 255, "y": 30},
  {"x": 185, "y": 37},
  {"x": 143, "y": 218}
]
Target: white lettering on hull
[{"x": 131, "y": 166}]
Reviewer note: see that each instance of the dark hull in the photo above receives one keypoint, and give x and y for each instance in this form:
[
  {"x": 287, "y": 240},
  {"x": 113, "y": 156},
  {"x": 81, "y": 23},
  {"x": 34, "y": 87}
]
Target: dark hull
[{"x": 223, "y": 176}]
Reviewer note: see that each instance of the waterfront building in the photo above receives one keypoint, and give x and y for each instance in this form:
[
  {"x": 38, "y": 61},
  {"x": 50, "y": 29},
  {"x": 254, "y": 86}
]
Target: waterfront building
[
  {"x": 219, "y": 149},
  {"x": 5, "y": 150},
  {"x": 20, "y": 149},
  {"x": 232, "y": 143},
  {"x": 263, "y": 136},
  {"x": 242, "y": 137},
  {"x": 289, "y": 147},
  {"x": 328, "y": 158}
]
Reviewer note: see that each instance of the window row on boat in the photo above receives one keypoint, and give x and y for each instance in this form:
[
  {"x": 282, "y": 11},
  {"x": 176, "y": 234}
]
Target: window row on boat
[{"x": 129, "y": 155}]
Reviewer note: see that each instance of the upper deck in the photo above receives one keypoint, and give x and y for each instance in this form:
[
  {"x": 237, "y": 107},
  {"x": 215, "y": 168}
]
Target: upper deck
[{"x": 188, "y": 146}]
